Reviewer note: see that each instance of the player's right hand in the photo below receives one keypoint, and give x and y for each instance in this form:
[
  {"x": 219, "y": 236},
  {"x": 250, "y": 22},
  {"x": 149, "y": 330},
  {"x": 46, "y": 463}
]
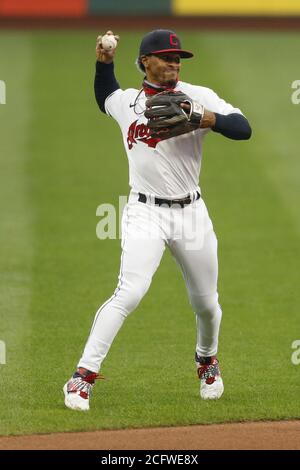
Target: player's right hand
[{"x": 101, "y": 54}]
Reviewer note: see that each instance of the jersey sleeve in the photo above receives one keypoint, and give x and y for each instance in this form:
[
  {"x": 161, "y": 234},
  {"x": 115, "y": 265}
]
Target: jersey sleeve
[
  {"x": 113, "y": 104},
  {"x": 118, "y": 104},
  {"x": 217, "y": 105}
]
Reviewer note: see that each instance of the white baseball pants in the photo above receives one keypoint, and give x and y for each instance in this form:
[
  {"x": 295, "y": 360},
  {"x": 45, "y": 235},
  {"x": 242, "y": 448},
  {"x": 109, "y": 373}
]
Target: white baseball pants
[{"x": 146, "y": 230}]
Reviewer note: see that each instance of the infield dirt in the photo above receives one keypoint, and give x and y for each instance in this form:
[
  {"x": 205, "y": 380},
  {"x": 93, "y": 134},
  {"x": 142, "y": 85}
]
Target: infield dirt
[{"x": 252, "y": 435}]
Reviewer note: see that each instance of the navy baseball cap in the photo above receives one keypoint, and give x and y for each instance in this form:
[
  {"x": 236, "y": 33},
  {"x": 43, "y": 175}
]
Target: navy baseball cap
[{"x": 162, "y": 41}]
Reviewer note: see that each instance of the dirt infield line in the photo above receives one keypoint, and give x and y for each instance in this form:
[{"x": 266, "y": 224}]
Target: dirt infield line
[{"x": 247, "y": 436}]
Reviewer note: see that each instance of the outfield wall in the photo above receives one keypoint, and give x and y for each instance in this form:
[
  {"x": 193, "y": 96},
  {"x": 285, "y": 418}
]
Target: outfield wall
[
  {"x": 236, "y": 7},
  {"x": 177, "y": 8}
]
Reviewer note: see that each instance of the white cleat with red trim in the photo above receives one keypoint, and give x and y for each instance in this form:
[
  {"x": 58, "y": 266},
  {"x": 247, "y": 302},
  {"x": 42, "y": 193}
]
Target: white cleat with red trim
[
  {"x": 211, "y": 383},
  {"x": 78, "y": 390}
]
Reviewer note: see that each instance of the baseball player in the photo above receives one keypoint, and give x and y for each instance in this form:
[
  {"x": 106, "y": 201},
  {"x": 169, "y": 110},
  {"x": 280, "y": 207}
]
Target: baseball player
[{"x": 163, "y": 126}]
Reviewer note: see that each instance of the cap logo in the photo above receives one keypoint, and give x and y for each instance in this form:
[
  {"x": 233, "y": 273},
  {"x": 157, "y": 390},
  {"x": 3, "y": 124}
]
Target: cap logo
[{"x": 173, "y": 40}]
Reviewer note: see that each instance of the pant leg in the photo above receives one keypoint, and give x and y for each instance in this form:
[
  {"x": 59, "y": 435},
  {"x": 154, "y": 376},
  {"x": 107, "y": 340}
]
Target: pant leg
[
  {"x": 198, "y": 261},
  {"x": 141, "y": 255}
]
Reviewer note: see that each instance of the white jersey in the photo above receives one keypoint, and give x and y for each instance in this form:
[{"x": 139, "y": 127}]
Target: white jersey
[{"x": 169, "y": 168}]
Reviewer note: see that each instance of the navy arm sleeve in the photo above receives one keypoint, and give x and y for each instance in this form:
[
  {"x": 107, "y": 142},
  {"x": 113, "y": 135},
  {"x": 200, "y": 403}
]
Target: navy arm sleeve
[
  {"x": 234, "y": 126},
  {"x": 105, "y": 83}
]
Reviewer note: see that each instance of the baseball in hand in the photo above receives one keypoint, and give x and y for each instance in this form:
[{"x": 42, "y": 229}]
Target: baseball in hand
[{"x": 108, "y": 42}]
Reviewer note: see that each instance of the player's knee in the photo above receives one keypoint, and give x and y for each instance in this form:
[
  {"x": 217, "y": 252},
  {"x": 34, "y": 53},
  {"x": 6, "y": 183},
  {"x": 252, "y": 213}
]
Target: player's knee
[
  {"x": 131, "y": 293},
  {"x": 205, "y": 304},
  {"x": 133, "y": 299}
]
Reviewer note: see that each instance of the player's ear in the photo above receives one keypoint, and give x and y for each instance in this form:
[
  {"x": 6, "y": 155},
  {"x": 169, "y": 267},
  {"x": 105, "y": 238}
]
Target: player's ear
[{"x": 145, "y": 60}]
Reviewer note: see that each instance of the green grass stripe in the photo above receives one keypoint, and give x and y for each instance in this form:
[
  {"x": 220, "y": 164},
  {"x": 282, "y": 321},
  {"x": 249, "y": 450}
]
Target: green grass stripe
[{"x": 16, "y": 237}]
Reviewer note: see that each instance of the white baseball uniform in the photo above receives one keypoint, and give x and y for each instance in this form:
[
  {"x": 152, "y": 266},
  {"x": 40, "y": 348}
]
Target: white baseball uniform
[{"x": 167, "y": 169}]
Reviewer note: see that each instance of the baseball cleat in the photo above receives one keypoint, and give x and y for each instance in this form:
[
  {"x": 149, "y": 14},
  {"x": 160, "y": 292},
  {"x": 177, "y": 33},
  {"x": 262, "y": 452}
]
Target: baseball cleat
[
  {"x": 78, "y": 389},
  {"x": 211, "y": 383}
]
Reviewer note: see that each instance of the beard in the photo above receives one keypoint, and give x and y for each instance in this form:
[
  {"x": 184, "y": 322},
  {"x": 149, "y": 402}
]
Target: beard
[
  {"x": 169, "y": 79},
  {"x": 170, "y": 83}
]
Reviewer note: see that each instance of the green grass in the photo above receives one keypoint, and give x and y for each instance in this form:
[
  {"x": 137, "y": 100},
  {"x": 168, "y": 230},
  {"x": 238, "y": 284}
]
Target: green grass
[{"x": 60, "y": 159}]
